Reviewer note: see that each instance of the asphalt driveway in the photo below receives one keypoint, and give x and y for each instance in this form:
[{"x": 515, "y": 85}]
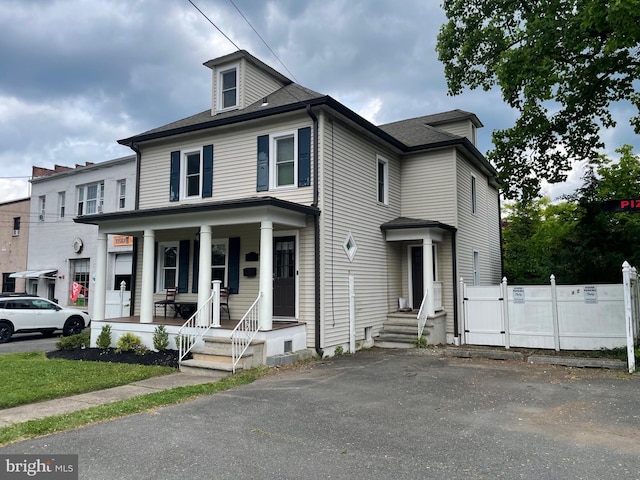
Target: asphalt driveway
[{"x": 382, "y": 415}]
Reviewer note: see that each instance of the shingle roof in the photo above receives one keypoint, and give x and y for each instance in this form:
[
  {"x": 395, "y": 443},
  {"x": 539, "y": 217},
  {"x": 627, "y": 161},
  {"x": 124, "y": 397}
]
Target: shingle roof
[
  {"x": 291, "y": 94},
  {"x": 406, "y": 222}
]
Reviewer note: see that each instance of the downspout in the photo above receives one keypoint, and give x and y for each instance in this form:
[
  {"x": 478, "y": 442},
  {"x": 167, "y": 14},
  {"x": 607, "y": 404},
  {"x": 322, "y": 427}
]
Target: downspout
[
  {"x": 454, "y": 260},
  {"x": 316, "y": 233},
  {"x": 134, "y": 258}
]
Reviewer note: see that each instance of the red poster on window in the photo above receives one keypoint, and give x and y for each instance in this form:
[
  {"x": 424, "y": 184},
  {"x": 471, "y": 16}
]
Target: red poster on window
[{"x": 76, "y": 289}]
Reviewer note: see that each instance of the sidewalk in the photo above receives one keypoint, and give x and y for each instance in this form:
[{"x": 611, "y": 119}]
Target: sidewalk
[{"x": 61, "y": 406}]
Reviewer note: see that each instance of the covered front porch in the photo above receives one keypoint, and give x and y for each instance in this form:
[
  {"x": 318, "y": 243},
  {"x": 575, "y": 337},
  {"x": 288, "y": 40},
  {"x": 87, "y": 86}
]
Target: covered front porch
[{"x": 250, "y": 247}]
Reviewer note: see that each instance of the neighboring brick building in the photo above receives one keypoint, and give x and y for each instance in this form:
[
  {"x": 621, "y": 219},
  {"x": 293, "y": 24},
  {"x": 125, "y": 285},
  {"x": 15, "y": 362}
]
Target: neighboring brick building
[{"x": 14, "y": 240}]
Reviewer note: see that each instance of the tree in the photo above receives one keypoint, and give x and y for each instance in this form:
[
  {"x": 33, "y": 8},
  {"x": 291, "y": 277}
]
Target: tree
[
  {"x": 560, "y": 63},
  {"x": 574, "y": 239}
]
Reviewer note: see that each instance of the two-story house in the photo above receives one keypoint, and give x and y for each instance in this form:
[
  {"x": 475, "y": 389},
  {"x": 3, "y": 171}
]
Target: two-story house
[
  {"x": 62, "y": 253},
  {"x": 316, "y": 220},
  {"x": 14, "y": 239}
]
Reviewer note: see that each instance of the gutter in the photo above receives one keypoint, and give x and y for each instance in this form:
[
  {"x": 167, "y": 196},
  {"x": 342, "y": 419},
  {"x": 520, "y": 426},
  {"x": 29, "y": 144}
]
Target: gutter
[{"x": 316, "y": 234}]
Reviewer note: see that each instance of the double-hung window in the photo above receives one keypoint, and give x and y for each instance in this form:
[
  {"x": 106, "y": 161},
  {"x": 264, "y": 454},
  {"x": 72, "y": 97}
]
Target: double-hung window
[
  {"x": 228, "y": 88},
  {"x": 90, "y": 198},
  {"x": 168, "y": 266},
  {"x": 219, "y": 259},
  {"x": 192, "y": 171},
  {"x": 284, "y": 160},
  {"x": 122, "y": 194},
  {"x": 383, "y": 180},
  {"x": 61, "y": 203},
  {"x": 42, "y": 203},
  {"x": 474, "y": 195}
]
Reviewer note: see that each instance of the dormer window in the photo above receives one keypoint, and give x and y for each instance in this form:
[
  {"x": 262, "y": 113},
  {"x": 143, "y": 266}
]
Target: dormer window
[{"x": 228, "y": 88}]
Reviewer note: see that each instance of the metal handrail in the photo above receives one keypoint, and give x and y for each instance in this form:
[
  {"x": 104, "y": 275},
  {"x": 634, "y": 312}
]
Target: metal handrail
[
  {"x": 245, "y": 332},
  {"x": 422, "y": 315},
  {"x": 187, "y": 342}
]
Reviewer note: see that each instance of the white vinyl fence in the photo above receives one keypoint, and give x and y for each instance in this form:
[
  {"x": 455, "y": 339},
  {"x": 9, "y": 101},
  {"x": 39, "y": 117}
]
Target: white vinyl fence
[{"x": 560, "y": 317}]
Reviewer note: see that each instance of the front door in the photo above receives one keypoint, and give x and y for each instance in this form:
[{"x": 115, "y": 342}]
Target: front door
[
  {"x": 284, "y": 276},
  {"x": 417, "y": 277}
]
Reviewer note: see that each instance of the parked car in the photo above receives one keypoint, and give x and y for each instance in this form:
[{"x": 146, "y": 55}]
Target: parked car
[{"x": 30, "y": 313}]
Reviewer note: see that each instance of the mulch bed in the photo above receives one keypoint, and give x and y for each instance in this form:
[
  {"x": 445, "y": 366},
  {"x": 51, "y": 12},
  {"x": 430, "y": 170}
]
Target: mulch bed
[{"x": 168, "y": 358}]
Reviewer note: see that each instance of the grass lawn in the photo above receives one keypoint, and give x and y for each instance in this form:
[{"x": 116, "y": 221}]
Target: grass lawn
[{"x": 31, "y": 377}]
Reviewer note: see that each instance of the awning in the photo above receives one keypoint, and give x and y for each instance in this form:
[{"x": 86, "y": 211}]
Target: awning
[{"x": 32, "y": 273}]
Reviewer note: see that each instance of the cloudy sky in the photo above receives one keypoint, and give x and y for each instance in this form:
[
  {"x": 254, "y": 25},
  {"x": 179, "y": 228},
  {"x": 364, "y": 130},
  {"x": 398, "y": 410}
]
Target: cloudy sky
[{"x": 77, "y": 75}]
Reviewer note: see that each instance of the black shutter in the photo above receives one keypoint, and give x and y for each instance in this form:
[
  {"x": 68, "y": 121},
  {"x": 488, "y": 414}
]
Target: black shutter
[
  {"x": 304, "y": 157},
  {"x": 263, "y": 164},
  {"x": 196, "y": 266},
  {"x": 234, "y": 264},
  {"x": 174, "y": 177},
  {"x": 183, "y": 267},
  {"x": 207, "y": 171}
]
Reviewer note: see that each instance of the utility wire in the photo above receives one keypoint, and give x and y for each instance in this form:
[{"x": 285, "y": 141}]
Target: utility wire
[
  {"x": 263, "y": 41},
  {"x": 211, "y": 22}
]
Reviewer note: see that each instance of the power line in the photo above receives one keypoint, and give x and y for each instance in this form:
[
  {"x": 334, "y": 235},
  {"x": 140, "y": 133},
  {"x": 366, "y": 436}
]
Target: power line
[
  {"x": 263, "y": 41},
  {"x": 211, "y": 22}
]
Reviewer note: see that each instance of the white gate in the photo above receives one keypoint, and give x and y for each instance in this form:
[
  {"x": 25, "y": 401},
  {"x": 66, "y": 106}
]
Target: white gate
[{"x": 483, "y": 315}]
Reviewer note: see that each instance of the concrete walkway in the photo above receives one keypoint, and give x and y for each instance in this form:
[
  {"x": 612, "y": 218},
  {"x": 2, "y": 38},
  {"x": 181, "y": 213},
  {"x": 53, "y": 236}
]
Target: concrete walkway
[{"x": 61, "y": 406}]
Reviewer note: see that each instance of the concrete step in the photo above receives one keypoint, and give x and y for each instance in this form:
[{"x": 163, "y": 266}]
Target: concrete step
[
  {"x": 401, "y": 329},
  {"x": 210, "y": 369},
  {"x": 385, "y": 344},
  {"x": 206, "y": 357},
  {"x": 222, "y": 346}
]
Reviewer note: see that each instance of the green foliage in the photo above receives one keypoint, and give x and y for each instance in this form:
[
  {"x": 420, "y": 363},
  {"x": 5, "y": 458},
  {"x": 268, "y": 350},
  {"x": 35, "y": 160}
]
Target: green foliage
[
  {"x": 560, "y": 64},
  {"x": 420, "y": 342},
  {"x": 574, "y": 239},
  {"x": 81, "y": 340},
  {"x": 160, "y": 338},
  {"x": 129, "y": 342},
  {"x": 104, "y": 338},
  {"x": 32, "y": 377},
  {"x": 338, "y": 351}
]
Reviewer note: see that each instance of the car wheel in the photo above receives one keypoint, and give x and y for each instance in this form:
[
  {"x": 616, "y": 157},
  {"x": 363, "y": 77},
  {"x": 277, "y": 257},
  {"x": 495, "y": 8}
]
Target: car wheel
[
  {"x": 49, "y": 332},
  {"x": 73, "y": 326},
  {"x": 6, "y": 330}
]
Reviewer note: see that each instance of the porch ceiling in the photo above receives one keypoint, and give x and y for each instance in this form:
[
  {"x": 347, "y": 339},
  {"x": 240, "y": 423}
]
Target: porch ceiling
[
  {"x": 235, "y": 212},
  {"x": 403, "y": 228}
]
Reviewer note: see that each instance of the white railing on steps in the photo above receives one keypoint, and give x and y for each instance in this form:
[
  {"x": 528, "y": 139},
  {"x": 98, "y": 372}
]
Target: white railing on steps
[
  {"x": 422, "y": 315},
  {"x": 245, "y": 332},
  {"x": 198, "y": 325}
]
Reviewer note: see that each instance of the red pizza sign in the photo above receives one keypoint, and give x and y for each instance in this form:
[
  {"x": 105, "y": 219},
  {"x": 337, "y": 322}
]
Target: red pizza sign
[{"x": 627, "y": 205}]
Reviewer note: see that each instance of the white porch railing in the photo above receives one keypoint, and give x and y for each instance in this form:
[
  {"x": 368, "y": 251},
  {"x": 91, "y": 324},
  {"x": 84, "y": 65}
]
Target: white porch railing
[
  {"x": 194, "y": 329},
  {"x": 422, "y": 315},
  {"x": 245, "y": 332}
]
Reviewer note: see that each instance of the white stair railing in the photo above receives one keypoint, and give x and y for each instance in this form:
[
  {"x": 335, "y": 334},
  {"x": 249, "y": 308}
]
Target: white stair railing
[
  {"x": 194, "y": 329},
  {"x": 245, "y": 332},
  {"x": 422, "y": 315}
]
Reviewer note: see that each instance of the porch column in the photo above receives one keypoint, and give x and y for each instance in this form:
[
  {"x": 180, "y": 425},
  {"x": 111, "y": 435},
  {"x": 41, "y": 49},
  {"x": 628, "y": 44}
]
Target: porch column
[
  {"x": 147, "y": 288},
  {"x": 98, "y": 302},
  {"x": 204, "y": 276},
  {"x": 427, "y": 274},
  {"x": 266, "y": 275}
]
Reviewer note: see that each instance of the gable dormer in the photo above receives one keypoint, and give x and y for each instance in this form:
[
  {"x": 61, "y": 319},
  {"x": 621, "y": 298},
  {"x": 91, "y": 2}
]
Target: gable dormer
[
  {"x": 456, "y": 122},
  {"x": 239, "y": 80}
]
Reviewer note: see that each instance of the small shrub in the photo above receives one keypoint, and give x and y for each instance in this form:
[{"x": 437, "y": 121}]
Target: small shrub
[
  {"x": 81, "y": 340},
  {"x": 160, "y": 338},
  {"x": 420, "y": 342},
  {"x": 104, "y": 338},
  {"x": 141, "y": 350},
  {"x": 338, "y": 351},
  {"x": 129, "y": 342}
]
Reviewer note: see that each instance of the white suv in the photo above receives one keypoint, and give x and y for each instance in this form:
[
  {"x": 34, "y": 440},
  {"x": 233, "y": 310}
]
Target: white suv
[{"x": 30, "y": 313}]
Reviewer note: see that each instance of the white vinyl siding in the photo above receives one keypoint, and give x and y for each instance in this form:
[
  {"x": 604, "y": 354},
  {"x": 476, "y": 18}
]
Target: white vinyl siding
[
  {"x": 257, "y": 85},
  {"x": 473, "y": 230},
  {"x": 349, "y": 173},
  {"x": 427, "y": 181},
  {"x": 234, "y": 165},
  {"x": 493, "y": 234},
  {"x": 462, "y": 128}
]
